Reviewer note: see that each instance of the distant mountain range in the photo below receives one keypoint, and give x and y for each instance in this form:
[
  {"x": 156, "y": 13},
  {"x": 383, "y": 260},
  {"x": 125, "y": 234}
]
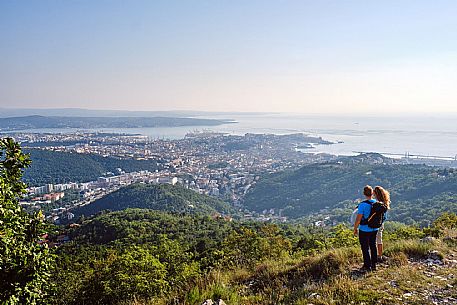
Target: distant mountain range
[
  {"x": 80, "y": 112},
  {"x": 37, "y": 121}
]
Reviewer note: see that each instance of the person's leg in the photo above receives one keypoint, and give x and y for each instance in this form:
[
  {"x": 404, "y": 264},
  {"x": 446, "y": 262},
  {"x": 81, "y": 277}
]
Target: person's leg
[
  {"x": 379, "y": 241},
  {"x": 373, "y": 250},
  {"x": 364, "y": 239}
]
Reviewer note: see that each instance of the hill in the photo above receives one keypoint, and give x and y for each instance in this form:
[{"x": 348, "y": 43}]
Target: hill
[
  {"x": 118, "y": 256},
  {"x": 419, "y": 193},
  {"x": 149, "y": 257},
  {"x": 82, "y": 112},
  {"x": 60, "y": 167},
  {"x": 38, "y": 121},
  {"x": 164, "y": 197}
]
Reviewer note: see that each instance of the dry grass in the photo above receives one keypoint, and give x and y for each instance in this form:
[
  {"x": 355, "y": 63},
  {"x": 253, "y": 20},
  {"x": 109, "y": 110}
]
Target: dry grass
[
  {"x": 398, "y": 259},
  {"x": 415, "y": 249},
  {"x": 324, "y": 279},
  {"x": 391, "y": 286}
]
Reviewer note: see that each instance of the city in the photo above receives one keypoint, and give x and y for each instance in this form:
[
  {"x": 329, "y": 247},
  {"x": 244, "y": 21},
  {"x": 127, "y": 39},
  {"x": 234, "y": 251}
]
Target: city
[
  {"x": 228, "y": 152},
  {"x": 210, "y": 163}
]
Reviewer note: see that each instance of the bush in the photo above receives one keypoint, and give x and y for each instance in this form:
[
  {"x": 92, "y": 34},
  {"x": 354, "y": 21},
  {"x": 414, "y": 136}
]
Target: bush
[
  {"x": 246, "y": 247},
  {"x": 445, "y": 225},
  {"x": 134, "y": 273},
  {"x": 402, "y": 231}
]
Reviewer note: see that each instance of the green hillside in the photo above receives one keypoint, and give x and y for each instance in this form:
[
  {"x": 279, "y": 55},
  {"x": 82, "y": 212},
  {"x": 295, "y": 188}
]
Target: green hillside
[
  {"x": 121, "y": 255},
  {"x": 135, "y": 257},
  {"x": 164, "y": 197},
  {"x": 419, "y": 193},
  {"x": 59, "y": 167}
]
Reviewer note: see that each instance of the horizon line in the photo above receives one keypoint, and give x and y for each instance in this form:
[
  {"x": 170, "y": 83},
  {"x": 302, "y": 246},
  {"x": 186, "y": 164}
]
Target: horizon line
[{"x": 234, "y": 112}]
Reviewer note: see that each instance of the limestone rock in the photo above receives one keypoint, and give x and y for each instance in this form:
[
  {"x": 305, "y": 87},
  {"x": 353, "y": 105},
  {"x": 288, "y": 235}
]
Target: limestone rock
[
  {"x": 211, "y": 302},
  {"x": 428, "y": 239}
]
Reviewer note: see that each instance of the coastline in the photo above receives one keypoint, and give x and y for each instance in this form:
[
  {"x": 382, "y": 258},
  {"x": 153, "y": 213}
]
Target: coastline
[{"x": 394, "y": 137}]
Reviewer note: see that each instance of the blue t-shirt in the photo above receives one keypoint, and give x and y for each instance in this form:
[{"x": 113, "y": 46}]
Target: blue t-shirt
[{"x": 365, "y": 209}]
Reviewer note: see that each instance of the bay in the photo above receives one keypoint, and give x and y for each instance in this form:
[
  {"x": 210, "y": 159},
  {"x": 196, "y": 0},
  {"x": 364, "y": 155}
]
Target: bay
[{"x": 427, "y": 135}]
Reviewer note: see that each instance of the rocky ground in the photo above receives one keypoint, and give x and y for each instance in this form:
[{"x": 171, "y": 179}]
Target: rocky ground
[
  {"x": 431, "y": 280},
  {"x": 411, "y": 275}
]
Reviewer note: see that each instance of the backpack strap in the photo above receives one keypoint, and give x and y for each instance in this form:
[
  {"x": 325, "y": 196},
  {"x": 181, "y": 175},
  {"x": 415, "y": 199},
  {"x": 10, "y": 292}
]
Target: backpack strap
[{"x": 364, "y": 221}]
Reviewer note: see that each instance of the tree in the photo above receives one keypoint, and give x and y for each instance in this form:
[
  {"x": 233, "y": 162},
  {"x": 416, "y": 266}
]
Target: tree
[{"x": 24, "y": 263}]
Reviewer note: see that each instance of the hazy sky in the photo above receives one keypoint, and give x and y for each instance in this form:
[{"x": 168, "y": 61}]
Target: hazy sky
[{"x": 295, "y": 56}]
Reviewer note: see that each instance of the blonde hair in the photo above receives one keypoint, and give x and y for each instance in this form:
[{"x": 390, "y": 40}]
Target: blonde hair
[{"x": 382, "y": 195}]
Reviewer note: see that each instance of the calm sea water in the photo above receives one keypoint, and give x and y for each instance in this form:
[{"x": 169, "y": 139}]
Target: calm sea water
[{"x": 422, "y": 135}]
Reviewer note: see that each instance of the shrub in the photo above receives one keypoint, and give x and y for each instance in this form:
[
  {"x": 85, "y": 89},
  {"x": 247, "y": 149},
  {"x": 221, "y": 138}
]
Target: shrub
[
  {"x": 342, "y": 236},
  {"x": 445, "y": 225},
  {"x": 246, "y": 247},
  {"x": 404, "y": 232}
]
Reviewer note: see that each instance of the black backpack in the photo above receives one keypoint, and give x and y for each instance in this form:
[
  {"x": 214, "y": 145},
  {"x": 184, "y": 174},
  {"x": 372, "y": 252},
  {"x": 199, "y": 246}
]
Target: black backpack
[{"x": 377, "y": 215}]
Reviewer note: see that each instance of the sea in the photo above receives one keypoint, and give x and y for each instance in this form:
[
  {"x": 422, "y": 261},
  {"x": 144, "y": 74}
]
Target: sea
[{"x": 415, "y": 135}]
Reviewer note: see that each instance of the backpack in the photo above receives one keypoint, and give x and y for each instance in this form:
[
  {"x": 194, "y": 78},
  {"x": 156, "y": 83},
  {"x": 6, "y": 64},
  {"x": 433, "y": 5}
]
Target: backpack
[
  {"x": 354, "y": 216},
  {"x": 377, "y": 215}
]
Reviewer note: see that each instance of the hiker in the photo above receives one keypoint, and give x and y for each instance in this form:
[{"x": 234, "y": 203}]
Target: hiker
[
  {"x": 383, "y": 196},
  {"x": 367, "y": 235}
]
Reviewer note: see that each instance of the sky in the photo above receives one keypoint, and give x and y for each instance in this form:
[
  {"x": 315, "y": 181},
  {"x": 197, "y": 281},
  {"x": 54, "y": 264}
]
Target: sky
[{"x": 283, "y": 56}]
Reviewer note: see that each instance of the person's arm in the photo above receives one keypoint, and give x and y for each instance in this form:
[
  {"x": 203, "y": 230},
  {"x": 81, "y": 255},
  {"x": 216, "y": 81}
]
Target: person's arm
[{"x": 357, "y": 223}]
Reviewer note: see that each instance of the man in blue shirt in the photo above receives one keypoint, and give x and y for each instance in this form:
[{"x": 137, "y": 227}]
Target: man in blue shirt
[{"x": 367, "y": 235}]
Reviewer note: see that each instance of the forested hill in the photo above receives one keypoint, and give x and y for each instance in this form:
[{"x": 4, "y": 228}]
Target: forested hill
[
  {"x": 164, "y": 197},
  {"x": 59, "y": 167},
  {"x": 143, "y": 225},
  {"x": 145, "y": 257},
  {"x": 419, "y": 193}
]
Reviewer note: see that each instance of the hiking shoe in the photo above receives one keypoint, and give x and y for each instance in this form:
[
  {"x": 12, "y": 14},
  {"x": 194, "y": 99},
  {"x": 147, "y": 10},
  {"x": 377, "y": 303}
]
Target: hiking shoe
[
  {"x": 382, "y": 259},
  {"x": 364, "y": 269}
]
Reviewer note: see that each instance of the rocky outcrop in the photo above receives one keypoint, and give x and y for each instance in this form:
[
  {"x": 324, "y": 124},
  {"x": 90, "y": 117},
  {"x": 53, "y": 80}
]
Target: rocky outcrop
[{"x": 211, "y": 302}]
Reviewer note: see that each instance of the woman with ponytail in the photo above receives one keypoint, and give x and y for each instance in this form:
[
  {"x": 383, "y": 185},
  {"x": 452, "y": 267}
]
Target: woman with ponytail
[{"x": 382, "y": 196}]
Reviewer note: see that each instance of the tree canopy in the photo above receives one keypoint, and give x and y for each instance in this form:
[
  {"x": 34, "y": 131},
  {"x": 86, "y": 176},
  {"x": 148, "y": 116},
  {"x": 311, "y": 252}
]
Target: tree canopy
[
  {"x": 419, "y": 193},
  {"x": 24, "y": 263},
  {"x": 163, "y": 197}
]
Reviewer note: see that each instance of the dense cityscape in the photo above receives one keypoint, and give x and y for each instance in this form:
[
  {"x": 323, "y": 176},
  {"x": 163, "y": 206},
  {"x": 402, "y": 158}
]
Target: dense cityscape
[
  {"x": 215, "y": 164},
  {"x": 210, "y": 163}
]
